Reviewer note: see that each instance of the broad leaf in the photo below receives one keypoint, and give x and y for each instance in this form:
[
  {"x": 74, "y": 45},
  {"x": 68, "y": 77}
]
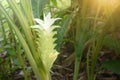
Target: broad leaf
[{"x": 112, "y": 65}]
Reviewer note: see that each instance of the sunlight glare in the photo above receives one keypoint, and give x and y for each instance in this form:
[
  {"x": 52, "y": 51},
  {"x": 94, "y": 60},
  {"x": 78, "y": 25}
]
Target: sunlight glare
[{"x": 108, "y": 3}]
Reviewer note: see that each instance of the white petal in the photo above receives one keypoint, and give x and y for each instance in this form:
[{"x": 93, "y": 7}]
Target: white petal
[
  {"x": 47, "y": 17},
  {"x": 39, "y": 21},
  {"x": 47, "y": 22}
]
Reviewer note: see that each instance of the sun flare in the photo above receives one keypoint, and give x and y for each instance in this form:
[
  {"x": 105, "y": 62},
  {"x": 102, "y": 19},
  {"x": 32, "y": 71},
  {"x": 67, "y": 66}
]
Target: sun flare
[{"x": 108, "y": 3}]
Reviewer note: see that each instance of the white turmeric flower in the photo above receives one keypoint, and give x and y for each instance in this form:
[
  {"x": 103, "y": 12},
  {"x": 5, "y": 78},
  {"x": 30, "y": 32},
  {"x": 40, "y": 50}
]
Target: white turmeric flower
[{"x": 46, "y": 23}]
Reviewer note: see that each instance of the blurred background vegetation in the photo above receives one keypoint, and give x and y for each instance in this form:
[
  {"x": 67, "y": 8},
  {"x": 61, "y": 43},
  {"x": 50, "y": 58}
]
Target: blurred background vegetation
[{"x": 87, "y": 36}]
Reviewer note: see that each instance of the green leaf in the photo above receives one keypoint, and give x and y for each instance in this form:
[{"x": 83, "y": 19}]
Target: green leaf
[
  {"x": 10, "y": 51},
  {"x": 63, "y": 4},
  {"x": 112, "y": 43},
  {"x": 61, "y": 31},
  {"x": 16, "y": 62},
  {"x": 22, "y": 40},
  {"x": 112, "y": 65},
  {"x": 37, "y": 7}
]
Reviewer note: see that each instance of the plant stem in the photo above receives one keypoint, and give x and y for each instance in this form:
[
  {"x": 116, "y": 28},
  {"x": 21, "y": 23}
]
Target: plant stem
[
  {"x": 45, "y": 76},
  {"x": 88, "y": 64},
  {"x": 3, "y": 31},
  {"x": 76, "y": 71},
  {"x": 22, "y": 63}
]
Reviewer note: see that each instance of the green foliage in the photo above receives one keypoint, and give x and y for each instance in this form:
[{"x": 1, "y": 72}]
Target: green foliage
[
  {"x": 112, "y": 24},
  {"x": 31, "y": 34},
  {"x": 33, "y": 42},
  {"x": 11, "y": 52},
  {"x": 112, "y": 65},
  {"x": 61, "y": 31},
  {"x": 38, "y": 6},
  {"x": 81, "y": 38},
  {"x": 61, "y": 4},
  {"x": 112, "y": 43},
  {"x": 82, "y": 35}
]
